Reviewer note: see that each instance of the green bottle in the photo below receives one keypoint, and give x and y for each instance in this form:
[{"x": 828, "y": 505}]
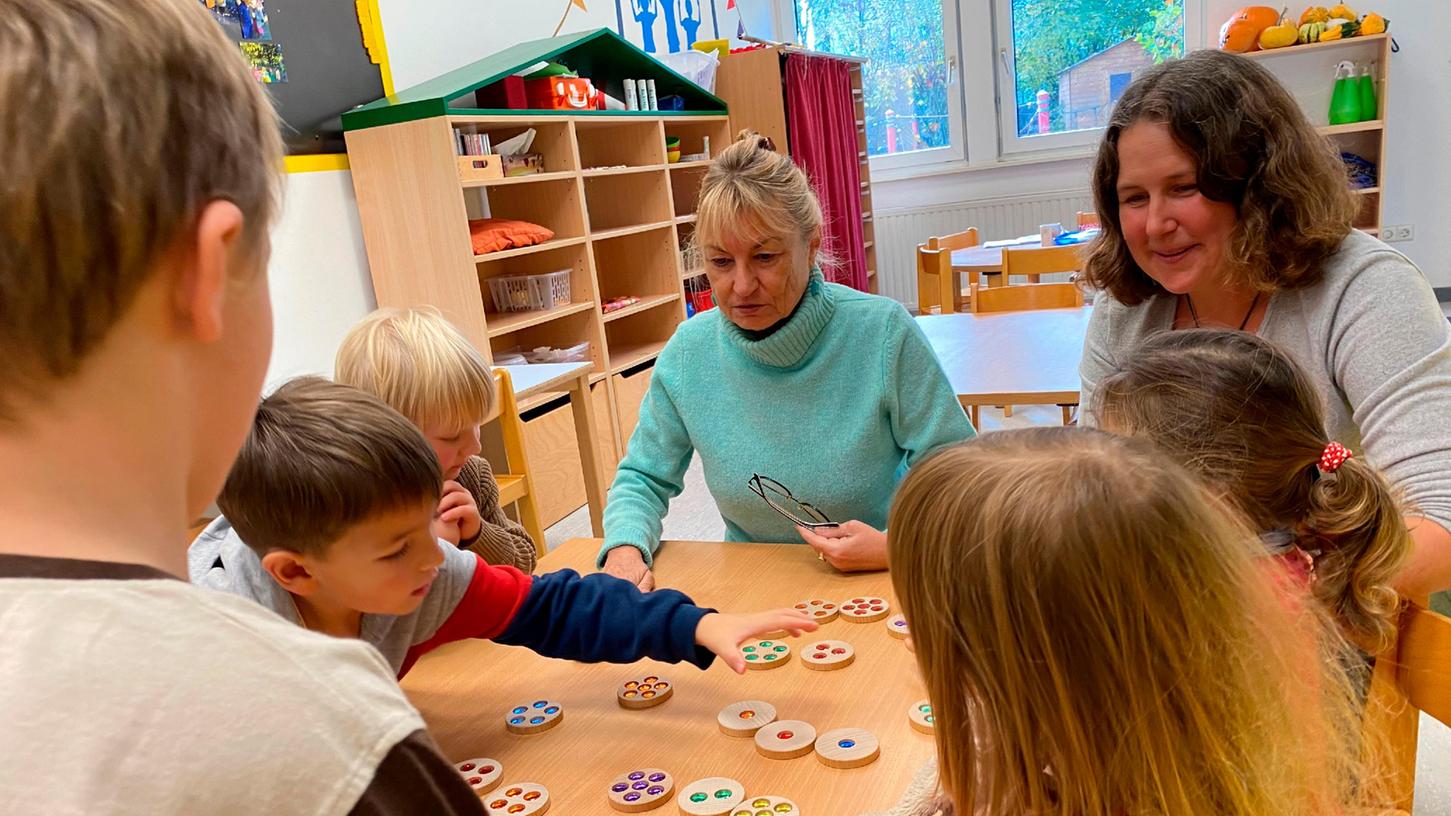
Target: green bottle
[
  {"x": 1368, "y": 108},
  {"x": 1345, "y": 100}
]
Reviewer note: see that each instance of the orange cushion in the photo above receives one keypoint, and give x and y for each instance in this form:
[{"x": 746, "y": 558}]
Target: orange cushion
[{"x": 494, "y": 234}]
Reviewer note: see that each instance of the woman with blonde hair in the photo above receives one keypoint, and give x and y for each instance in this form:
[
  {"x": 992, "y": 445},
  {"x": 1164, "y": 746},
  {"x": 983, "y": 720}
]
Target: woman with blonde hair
[
  {"x": 1097, "y": 639},
  {"x": 1239, "y": 413},
  {"x": 805, "y": 400},
  {"x": 1223, "y": 207}
]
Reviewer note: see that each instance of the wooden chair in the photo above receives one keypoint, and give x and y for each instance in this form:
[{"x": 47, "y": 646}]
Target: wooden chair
[
  {"x": 935, "y": 281},
  {"x": 1020, "y": 298},
  {"x": 1414, "y": 677},
  {"x": 1034, "y": 262},
  {"x": 516, "y": 486},
  {"x": 1087, "y": 219}
]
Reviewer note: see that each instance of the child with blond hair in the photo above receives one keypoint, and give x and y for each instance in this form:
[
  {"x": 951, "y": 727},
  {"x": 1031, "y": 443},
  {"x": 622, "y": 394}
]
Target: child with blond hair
[{"x": 425, "y": 369}]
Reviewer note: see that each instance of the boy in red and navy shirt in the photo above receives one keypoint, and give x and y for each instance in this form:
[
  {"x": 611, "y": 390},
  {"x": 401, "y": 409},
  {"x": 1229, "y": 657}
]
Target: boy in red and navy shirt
[{"x": 329, "y": 522}]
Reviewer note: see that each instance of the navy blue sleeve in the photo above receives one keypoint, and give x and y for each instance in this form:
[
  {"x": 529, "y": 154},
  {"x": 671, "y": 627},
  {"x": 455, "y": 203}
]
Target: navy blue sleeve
[{"x": 603, "y": 619}]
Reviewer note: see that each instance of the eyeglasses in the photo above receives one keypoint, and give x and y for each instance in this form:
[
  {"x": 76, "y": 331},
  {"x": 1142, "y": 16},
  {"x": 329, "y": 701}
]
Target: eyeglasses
[{"x": 781, "y": 500}]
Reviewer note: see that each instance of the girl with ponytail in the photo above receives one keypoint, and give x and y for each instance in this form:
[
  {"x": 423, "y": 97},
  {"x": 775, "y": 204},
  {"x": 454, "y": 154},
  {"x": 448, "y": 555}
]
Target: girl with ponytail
[{"x": 1239, "y": 413}]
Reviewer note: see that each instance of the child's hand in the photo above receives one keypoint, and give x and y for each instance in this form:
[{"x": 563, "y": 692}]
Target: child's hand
[
  {"x": 458, "y": 509},
  {"x": 724, "y": 634}
]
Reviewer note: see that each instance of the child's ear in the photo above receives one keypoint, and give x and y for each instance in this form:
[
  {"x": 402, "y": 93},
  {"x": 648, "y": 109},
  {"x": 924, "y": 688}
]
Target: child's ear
[
  {"x": 289, "y": 570},
  {"x": 209, "y": 250}
]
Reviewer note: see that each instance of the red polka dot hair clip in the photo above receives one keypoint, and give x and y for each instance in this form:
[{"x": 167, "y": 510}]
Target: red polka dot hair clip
[{"x": 1334, "y": 456}]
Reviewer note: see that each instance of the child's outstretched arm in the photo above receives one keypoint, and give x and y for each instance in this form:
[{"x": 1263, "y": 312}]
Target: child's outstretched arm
[{"x": 601, "y": 618}]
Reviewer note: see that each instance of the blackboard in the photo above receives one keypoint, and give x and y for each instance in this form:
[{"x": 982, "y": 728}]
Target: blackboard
[{"x": 328, "y": 69}]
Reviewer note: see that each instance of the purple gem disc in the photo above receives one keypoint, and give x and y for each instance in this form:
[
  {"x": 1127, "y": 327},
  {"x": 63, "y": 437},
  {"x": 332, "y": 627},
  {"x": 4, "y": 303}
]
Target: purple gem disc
[
  {"x": 655, "y": 790},
  {"x": 632, "y": 797},
  {"x": 620, "y": 787},
  {"x": 657, "y": 777},
  {"x": 640, "y": 785},
  {"x": 637, "y": 775}
]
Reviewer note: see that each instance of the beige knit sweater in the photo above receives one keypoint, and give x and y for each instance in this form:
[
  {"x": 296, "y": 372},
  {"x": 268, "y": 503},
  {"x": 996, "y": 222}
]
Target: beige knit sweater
[{"x": 501, "y": 540}]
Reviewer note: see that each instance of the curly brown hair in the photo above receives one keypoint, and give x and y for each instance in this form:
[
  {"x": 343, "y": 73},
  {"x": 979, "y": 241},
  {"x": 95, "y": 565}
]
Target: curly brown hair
[{"x": 1252, "y": 147}]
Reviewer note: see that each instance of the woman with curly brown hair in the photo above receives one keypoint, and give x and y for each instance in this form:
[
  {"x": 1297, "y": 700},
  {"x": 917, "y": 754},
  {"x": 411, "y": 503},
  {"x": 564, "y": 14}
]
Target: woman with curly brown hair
[{"x": 1223, "y": 207}]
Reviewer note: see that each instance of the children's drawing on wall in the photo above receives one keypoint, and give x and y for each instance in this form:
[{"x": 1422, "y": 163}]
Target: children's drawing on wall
[
  {"x": 664, "y": 26},
  {"x": 266, "y": 61},
  {"x": 242, "y": 19}
]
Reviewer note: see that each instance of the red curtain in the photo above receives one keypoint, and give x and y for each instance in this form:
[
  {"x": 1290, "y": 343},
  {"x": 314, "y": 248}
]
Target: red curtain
[{"x": 821, "y": 127}]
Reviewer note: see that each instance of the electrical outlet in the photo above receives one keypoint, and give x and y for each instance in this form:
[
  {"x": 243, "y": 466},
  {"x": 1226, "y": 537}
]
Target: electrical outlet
[{"x": 1401, "y": 232}]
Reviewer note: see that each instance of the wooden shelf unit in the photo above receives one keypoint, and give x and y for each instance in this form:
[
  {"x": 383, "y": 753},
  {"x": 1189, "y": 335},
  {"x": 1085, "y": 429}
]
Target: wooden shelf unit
[{"x": 1306, "y": 70}]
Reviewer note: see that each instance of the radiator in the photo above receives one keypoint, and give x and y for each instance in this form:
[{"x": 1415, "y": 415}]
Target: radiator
[{"x": 898, "y": 232}]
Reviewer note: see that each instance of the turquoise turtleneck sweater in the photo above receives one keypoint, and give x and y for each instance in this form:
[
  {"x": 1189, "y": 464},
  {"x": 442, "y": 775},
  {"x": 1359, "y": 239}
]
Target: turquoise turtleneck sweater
[{"x": 836, "y": 405}]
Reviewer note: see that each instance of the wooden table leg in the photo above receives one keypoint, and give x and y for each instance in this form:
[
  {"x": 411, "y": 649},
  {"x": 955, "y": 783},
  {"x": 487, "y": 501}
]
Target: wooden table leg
[{"x": 585, "y": 432}]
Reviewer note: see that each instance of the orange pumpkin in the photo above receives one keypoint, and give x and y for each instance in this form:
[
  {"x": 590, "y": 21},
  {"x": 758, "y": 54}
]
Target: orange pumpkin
[{"x": 1241, "y": 32}]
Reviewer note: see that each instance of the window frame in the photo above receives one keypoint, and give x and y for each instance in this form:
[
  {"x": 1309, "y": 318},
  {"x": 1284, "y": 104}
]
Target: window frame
[{"x": 956, "y": 150}]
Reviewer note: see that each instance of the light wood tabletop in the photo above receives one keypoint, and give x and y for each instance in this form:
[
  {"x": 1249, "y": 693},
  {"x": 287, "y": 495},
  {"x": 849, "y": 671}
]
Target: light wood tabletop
[
  {"x": 985, "y": 260},
  {"x": 1011, "y": 358},
  {"x": 464, "y": 691}
]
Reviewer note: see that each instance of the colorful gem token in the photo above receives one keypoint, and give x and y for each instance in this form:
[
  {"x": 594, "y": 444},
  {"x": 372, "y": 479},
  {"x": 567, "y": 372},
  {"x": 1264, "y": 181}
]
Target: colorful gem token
[
  {"x": 534, "y": 718},
  {"x": 847, "y": 748},
  {"x": 767, "y": 806},
  {"x": 714, "y": 796},
  {"x": 641, "y": 790},
  {"x": 481, "y": 774},
  {"x": 820, "y": 611},
  {"x": 644, "y": 692},
  {"x": 864, "y": 609},
  {"x": 827, "y": 655},
  {"x": 765, "y": 654},
  {"x": 897, "y": 627},
  {"x": 921, "y": 718},
  {"x": 520, "y": 799},
  {"x": 785, "y": 739},
  {"x": 744, "y": 718}
]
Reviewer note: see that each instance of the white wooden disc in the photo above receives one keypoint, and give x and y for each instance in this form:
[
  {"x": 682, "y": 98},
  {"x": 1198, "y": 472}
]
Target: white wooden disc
[
  {"x": 767, "y": 806},
  {"x": 785, "y": 739},
  {"x": 481, "y": 773},
  {"x": 921, "y": 717},
  {"x": 518, "y": 799},
  {"x": 897, "y": 627},
  {"x": 713, "y": 796},
  {"x": 641, "y": 790},
  {"x": 644, "y": 692},
  {"x": 766, "y": 654},
  {"x": 534, "y": 717},
  {"x": 744, "y": 718},
  {"x": 847, "y": 748},
  {"x": 864, "y": 609},
  {"x": 827, "y": 655},
  {"x": 819, "y": 610}
]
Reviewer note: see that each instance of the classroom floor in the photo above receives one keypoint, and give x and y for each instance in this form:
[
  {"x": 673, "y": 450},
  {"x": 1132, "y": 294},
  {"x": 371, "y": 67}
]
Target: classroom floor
[{"x": 693, "y": 517}]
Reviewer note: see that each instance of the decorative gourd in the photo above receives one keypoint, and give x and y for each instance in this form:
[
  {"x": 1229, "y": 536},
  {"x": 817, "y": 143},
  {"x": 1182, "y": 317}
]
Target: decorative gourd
[
  {"x": 1339, "y": 29},
  {"x": 1343, "y": 11},
  {"x": 1373, "y": 24},
  {"x": 1241, "y": 31},
  {"x": 1314, "y": 14},
  {"x": 1279, "y": 36}
]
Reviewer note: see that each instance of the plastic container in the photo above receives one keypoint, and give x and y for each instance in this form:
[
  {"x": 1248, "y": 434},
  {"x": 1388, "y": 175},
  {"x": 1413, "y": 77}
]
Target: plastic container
[
  {"x": 527, "y": 293},
  {"x": 1369, "y": 108},
  {"x": 1345, "y": 99},
  {"x": 572, "y": 354},
  {"x": 509, "y": 358}
]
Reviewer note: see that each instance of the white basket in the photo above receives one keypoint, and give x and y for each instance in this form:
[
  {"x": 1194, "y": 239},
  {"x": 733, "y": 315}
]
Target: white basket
[{"x": 528, "y": 293}]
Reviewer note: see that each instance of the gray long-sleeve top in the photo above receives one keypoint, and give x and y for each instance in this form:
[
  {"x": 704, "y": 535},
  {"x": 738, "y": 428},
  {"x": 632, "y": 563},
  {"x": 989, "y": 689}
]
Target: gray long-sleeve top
[{"x": 1372, "y": 339}]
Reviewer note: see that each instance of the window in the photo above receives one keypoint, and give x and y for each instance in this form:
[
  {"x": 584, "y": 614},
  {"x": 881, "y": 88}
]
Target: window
[
  {"x": 1064, "y": 63},
  {"x": 911, "y": 91}
]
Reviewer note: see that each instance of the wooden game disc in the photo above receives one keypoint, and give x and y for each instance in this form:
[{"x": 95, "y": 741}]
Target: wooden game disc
[
  {"x": 864, "y": 609},
  {"x": 712, "y": 796},
  {"x": 766, "y": 654},
  {"x": 897, "y": 627},
  {"x": 827, "y": 655},
  {"x": 767, "y": 806},
  {"x": 847, "y": 748},
  {"x": 921, "y": 717},
  {"x": 518, "y": 799},
  {"x": 644, "y": 692},
  {"x": 534, "y": 718},
  {"x": 785, "y": 739},
  {"x": 641, "y": 790},
  {"x": 819, "y": 610},
  {"x": 482, "y": 774},
  {"x": 744, "y": 718}
]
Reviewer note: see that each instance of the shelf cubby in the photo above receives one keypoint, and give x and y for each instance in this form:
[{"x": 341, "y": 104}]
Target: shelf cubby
[
  {"x": 627, "y": 200},
  {"x": 551, "y": 204},
  {"x": 552, "y": 140},
  {"x": 613, "y": 143},
  {"x": 637, "y": 265}
]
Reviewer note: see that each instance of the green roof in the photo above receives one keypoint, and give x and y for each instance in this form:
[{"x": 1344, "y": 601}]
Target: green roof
[{"x": 601, "y": 55}]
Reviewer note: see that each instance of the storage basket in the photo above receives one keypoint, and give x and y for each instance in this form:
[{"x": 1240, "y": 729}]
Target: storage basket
[{"x": 526, "y": 293}]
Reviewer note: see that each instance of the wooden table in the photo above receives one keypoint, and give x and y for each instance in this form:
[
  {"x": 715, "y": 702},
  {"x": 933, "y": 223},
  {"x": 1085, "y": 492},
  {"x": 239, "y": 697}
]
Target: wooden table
[
  {"x": 1010, "y": 358},
  {"x": 985, "y": 260},
  {"x": 541, "y": 378},
  {"x": 465, "y": 689}
]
